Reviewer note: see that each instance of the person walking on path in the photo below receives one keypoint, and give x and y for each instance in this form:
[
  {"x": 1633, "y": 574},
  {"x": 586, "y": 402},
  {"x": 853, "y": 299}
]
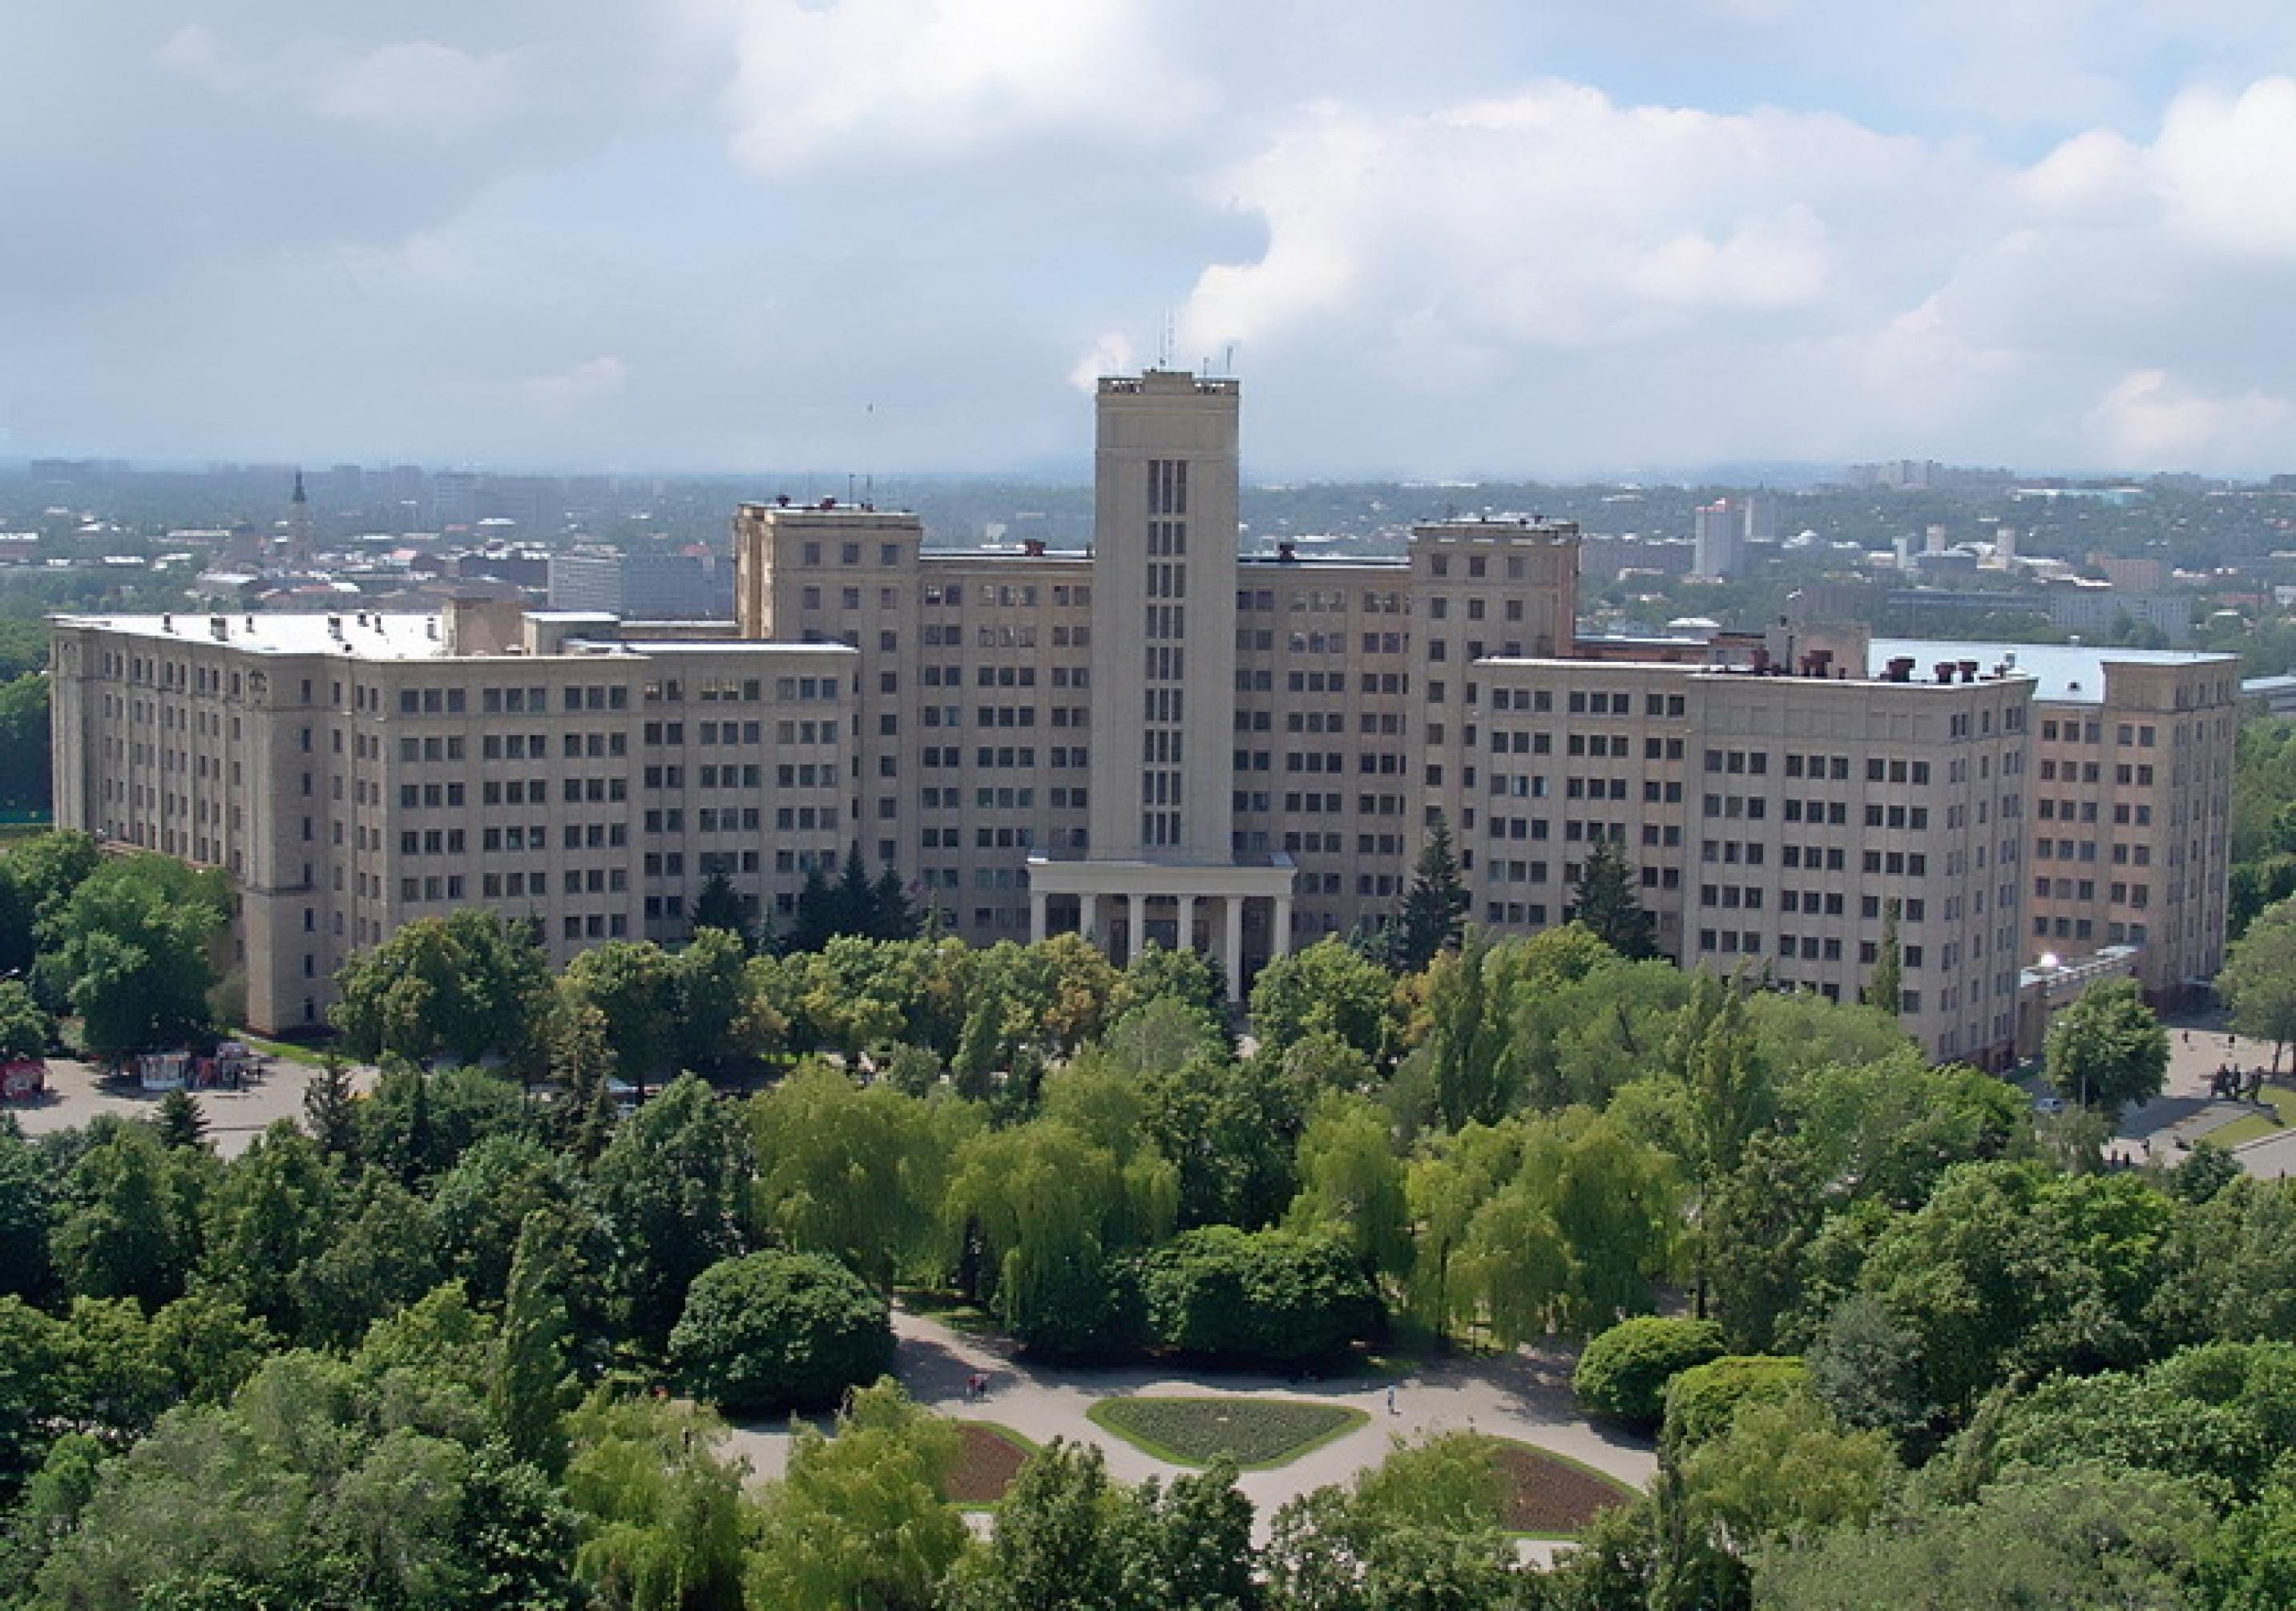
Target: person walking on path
[{"x": 1390, "y": 1398}]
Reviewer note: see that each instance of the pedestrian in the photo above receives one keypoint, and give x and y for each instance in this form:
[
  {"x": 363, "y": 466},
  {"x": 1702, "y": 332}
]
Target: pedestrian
[{"x": 1390, "y": 1398}]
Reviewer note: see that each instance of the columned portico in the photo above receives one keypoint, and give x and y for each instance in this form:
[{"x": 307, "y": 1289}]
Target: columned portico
[{"x": 1135, "y": 885}]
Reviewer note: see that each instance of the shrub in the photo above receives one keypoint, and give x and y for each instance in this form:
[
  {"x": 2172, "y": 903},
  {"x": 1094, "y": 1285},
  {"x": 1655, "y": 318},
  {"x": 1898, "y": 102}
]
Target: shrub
[
  {"x": 780, "y": 1330},
  {"x": 1266, "y": 1296},
  {"x": 1701, "y": 1400},
  {"x": 1624, "y": 1372}
]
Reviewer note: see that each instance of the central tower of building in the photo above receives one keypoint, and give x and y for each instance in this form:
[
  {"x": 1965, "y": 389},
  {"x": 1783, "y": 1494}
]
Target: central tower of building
[
  {"x": 1164, "y": 542},
  {"x": 1161, "y": 862}
]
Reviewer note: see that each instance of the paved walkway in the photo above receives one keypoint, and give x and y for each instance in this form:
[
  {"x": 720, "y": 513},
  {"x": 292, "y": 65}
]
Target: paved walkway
[
  {"x": 1525, "y": 1396},
  {"x": 234, "y": 1117}
]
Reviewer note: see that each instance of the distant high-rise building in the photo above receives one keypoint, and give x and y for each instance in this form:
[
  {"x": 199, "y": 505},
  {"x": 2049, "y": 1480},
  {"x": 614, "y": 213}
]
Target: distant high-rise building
[
  {"x": 1719, "y": 530},
  {"x": 1761, "y": 507},
  {"x": 646, "y": 584}
]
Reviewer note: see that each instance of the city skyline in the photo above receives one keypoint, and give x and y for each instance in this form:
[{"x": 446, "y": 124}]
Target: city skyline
[{"x": 888, "y": 234}]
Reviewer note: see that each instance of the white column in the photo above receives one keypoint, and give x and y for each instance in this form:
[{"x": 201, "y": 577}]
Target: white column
[
  {"x": 1132, "y": 907},
  {"x": 1282, "y": 944},
  {"x": 1037, "y": 901},
  {"x": 1232, "y": 951},
  {"x": 1088, "y": 921},
  {"x": 1188, "y": 941}
]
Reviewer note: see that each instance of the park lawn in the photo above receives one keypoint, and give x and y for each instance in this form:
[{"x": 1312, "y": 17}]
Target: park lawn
[
  {"x": 1255, "y": 1432},
  {"x": 988, "y": 1460},
  {"x": 1547, "y": 1495},
  {"x": 2255, "y": 1126},
  {"x": 950, "y": 1309},
  {"x": 287, "y": 1051}
]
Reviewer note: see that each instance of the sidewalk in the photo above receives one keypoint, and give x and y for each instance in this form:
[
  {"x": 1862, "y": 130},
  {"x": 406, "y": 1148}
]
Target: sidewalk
[{"x": 1523, "y": 1396}]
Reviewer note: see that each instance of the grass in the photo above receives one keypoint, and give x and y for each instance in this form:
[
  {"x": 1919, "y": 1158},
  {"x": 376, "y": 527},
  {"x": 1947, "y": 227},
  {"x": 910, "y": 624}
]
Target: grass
[
  {"x": 1255, "y": 1432},
  {"x": 962, "y": 1316},
  {"x": 286, "y": 1051},
  {"x": 2258, "y": 1125},
  {"x": 988, "y": 1460},
  {"x": 1547, "y": 1495}
]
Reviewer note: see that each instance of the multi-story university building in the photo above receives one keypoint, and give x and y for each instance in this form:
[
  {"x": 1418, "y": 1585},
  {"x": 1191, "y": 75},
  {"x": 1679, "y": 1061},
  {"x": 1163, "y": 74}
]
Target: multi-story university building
[{"x": 1161, "y": 740}]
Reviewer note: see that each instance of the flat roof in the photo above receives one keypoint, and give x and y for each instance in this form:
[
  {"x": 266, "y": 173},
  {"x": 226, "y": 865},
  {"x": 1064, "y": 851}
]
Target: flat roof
[
  {"x": 2067, "y": 673},
  {"x": 399, "y": 636}
]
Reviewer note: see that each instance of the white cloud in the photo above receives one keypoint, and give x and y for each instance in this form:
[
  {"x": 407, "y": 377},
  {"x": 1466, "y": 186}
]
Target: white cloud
[
  {"x": 2147, "y": 421},
  {"x": 1112, "y": 354},
  {"x": 937, "y": 80},
  {"x": 413, "y": 87}
]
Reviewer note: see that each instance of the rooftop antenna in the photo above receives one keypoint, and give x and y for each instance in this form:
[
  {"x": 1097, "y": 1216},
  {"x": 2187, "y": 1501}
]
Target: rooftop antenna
[
  {"x": 1164, "y": 340},
  {"x": 1227, "y": 359}
]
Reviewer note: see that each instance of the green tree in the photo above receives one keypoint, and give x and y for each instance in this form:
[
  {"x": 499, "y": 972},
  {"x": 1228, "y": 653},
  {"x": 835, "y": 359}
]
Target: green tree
[
  {"x": 1604, "y": 901},
  {"x": 718, "y": 905},
  {"x": 379, "y": 1259},
  {"x": 1419, "y": 1532},
  {"x": 1885, "y": 989},
  {"x": 471, "y": 987},
  {"x": 2089, "y": 1536},
  {"x": 2259, "y": 980},
  {"x": 274, "y": 1208},
  {"x": 1263, "y": 1297},
  {"x": 1352, "y": 1184},
  {"x": 632, "y": 986},
  {"x": 1434, "y": 913},
  {"x": 1625, "y": 1371},
  {"x": 2107, "y": 1050},
  {"x": 128, "y": 953},
  {"x": 771, "y": 1331},
  {"x": 417, "y": 1123},
  {"x": 1471, "y": 1044},
  {"x": 329, "y": 1110},
  {"x": 720, "y": 1027},
  {"x": 857, "y": 1174},
  {"x": 25, "y": 1030},
  {"x": 674, "y": 1186},
  {"x": 24, "y": 761},
  {"x": 532, "y": 1385},
  {"x": 130, "y": 1228},
  {"x": 859, "y": 1520},
  {"x": 27, "y": 1212},
  {"x": 1329, "y": 987},
  {"x": 1041, "y": 1217},
  {"x": 36, "y": 876},
  {"x": 665, "y": 1523},
  {"x": 182, "y": 1126}
]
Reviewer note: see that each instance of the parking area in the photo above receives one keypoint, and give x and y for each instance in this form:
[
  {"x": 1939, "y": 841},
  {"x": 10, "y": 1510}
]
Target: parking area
[{"x": 75, "y": 1095}]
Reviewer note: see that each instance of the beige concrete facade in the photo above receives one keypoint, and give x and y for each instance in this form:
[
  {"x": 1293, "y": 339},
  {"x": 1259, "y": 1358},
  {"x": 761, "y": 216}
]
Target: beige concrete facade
[
  {"x": 1159, "y": 739},
  {"x": 354, "y": 772}
]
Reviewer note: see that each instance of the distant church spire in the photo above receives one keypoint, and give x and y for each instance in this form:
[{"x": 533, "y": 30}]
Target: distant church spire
[{"x": 299, "y": 526}]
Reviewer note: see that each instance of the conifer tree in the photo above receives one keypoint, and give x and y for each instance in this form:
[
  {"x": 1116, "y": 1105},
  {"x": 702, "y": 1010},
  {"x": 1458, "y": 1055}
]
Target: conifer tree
[
  {"x": 1607, "y": 904},
  {"x": 1435, "y": 909}
]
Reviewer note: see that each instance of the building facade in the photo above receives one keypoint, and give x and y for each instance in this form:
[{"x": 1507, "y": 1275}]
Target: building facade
[{"x": 1161, "y": 740}]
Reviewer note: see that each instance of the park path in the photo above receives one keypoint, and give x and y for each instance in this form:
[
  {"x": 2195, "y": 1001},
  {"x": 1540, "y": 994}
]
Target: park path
[
  {"x": 1524, "y": 1395},
  {"x": 76, "y": 1094}
]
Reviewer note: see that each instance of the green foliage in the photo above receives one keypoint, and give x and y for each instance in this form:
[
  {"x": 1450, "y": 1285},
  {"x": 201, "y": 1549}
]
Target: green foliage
[
  {"x": 1419, "y": 1532},
  {"x": 1604, "y": 901},
  {"x": 28, "y": 1210},
  {"x": 417, "y": 1123},
  {"x": 1263, "y": 1296},
  {"x": 718, "y": 905},
  {"x": 674, "y": 1186},
  {"x": 2107, "y": 1050},
  {"x": 1434, "y": 912},
  {"x": 1701, "y": 1401},
  {"x": 26, "y": 780},
  {"x": 1250, "y": 1431},
  {"x": 126, "y": 953},
  {"x": 1043, "y": 1218},
  {"x": 780, "y": 1330},
  {"x": 25, "y": 1030},
  {"x": 859, "y": 1519},
  {"x": 855, "y": 1174},
  {"x": 1625, "y": 1371},
  {"x": 1328, "y": 989},
  {"x": 664, "y": 1525},
  {"x": 2086, "y": 1536},
  {"x": 2257, "y": 982},
  {"x": 468, "y": 988},
  {"x": 1068, "y": 1539},
  {"x": 130, "y": 1226},
  {"x": 1351, "y": 1184},
  {"x": 632, "y": 987}
]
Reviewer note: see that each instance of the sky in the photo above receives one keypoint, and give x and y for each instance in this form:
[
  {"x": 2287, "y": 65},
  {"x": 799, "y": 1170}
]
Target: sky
[{"x": 1450, "y": 238}]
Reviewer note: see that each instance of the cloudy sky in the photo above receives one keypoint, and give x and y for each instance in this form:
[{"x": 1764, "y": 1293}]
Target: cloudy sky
[{"x": 1442, "y": 238}]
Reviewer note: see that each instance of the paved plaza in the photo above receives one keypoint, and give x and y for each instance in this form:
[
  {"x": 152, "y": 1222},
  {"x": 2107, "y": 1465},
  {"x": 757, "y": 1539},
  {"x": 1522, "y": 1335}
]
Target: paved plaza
[
  {"x": 1524, "y": 1395},
  {"x": 76, "y": 1095}
]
